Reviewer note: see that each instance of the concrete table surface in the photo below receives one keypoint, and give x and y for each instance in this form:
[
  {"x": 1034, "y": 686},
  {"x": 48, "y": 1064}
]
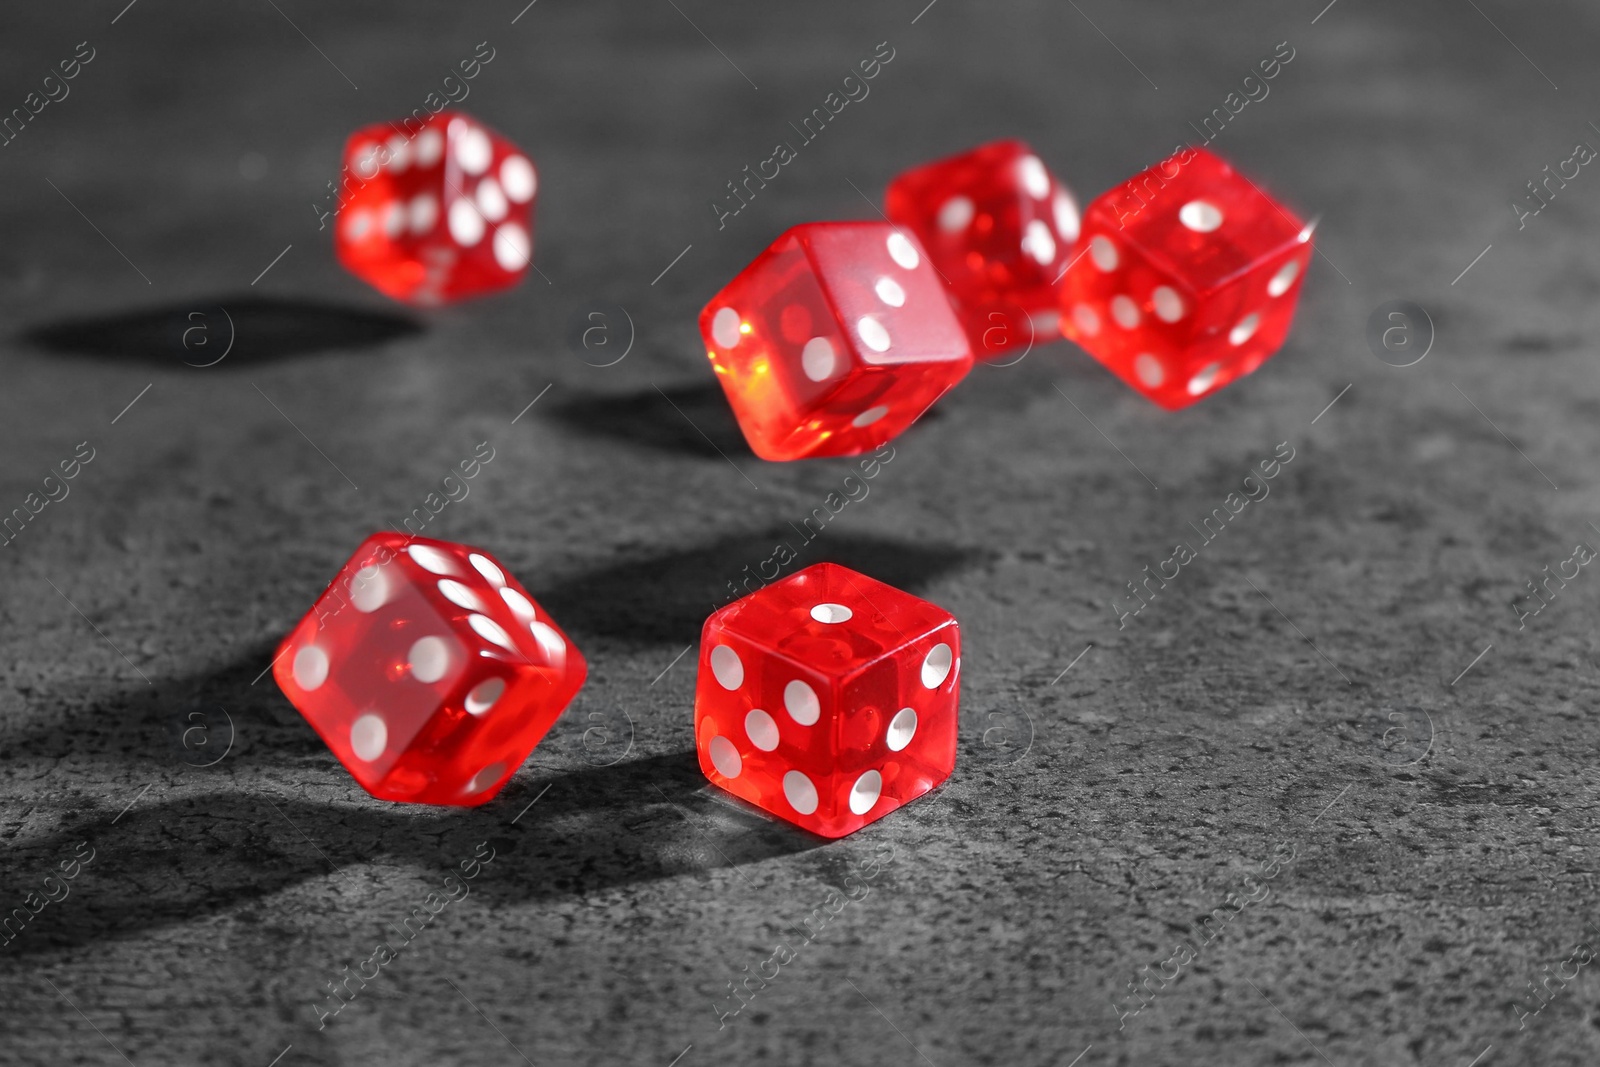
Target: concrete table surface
[{"x": 1328, "y": 798}]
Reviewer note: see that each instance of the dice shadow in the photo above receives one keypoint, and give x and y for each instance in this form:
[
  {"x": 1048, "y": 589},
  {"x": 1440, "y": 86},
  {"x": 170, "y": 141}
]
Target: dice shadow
[
  {"x": 186, "y": 724},
  {"x": 690, "y": 420},
  {"x": 170, "y": 861},
  {"x": 178, "y": 723},
  {"x": 664, "y": 598},
  {"x": 182, "y": 854},
  {"x": 197, "y": 333}
]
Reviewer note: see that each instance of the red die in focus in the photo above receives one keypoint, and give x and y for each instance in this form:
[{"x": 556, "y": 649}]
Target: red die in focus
[
  {"x": 428, "y": 670},
  {"x": 435, "y": 214},
  {"x": 999, "y": 228},
  {"x": 1190, "y": 279},
  {"x": 834, "y": 340},
  {"x": 828, "y": 699}
]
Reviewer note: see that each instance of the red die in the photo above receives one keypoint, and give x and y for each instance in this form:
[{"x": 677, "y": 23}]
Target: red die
[
  {"x": 999, "y": 228},
  {"x": 437, "y": 213},
  {"x": 1190, "y": 278},
  {"x": 828, "y": 699},
  {"x": 428, "y": 670},
  {"x": 834, "y": 340}
]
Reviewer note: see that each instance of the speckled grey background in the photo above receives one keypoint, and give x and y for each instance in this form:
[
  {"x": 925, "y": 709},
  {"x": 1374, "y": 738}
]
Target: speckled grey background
[{"x": 1293, "y": 703}]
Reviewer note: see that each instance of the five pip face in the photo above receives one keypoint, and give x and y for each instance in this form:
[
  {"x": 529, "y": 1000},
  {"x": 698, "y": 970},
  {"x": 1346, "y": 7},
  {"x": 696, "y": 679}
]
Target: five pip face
[{"x": 827, "y": 698}]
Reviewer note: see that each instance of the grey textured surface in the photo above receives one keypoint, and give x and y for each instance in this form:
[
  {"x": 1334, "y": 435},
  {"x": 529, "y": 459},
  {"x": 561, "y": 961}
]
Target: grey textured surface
[{"x": 1440, "y": 859}]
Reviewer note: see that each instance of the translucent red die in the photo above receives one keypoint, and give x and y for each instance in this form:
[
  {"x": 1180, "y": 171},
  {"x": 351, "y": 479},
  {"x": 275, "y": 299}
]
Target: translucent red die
[
  {"x": 435, "y": 213},
  {"x": 1190, "y": 278},
  {"x": 999, "y": 228},
  {"x": 834, "y": 340},
  {"x": 428, "y": 670},
  {"x": 828, "y": 699}
]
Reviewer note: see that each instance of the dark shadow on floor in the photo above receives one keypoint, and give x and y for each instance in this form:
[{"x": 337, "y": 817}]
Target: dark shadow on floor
[
  {"x": 180, "y": 854},
  {"x": 211, "y": 332},
  {"x": 665, "y": 598},
  {"x": 591, "y": 829},
  {"x": 194, "y": 722},
  {"x": 687, "y": 419},
  {"x": 694, "y": 420},
  {"x": 234, "y": 715}
]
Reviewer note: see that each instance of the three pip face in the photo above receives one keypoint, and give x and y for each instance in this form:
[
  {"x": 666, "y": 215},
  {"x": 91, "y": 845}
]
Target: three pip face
[{"x": 827, "y": 699}]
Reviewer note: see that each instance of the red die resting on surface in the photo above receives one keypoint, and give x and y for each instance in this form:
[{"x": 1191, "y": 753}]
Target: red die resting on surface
[
  {"x": 438, "y": 213},
  {"x": 829, "y": 699},
  {"x": 834, "y": 340},
  {"x": 1190, "y": 278},
  {"x": 428, "y": 670},
  {"x": 1000, "y": 228}
]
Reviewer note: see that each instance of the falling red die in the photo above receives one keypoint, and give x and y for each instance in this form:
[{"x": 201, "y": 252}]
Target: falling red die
[
  {"x": 834, "y": 340},
  {"x": 1000, "y": 228},
  {"x": 428, "y": 670},
  {"x": 828, "y": 699},
  {"x": 1189, "y": 278},
  {"x": 435, "y": 213}
]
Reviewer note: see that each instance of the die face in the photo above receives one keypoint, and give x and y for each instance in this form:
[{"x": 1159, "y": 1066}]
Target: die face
[
  {"x": 885, "y": 292},
  {"x": 777, "y": 351},
  {"x": 437, "y": 213},
  {"x": 833, "y": 341},
  {"x": 428, "y": 670},
  {"x": 1189, "y": 279},
  {"x": 828, "y": 699},
  {"x": 1000, "y": 228}
]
